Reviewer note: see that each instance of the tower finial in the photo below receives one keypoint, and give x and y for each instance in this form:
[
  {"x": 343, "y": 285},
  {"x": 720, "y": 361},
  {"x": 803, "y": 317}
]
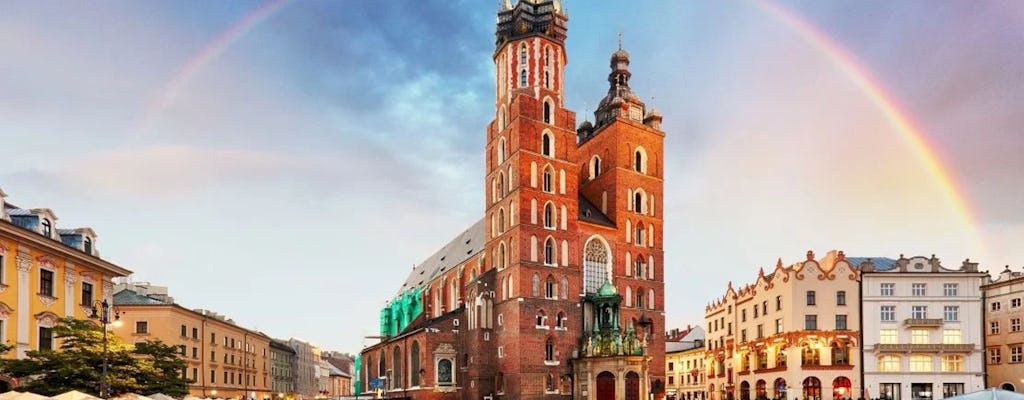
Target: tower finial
[{"x": 620, "y": 40}]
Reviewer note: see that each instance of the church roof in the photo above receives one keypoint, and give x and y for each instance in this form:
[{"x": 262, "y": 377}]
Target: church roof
[
  {"x": 590, "y": 213},
  {"x": 461, "y": 248}
]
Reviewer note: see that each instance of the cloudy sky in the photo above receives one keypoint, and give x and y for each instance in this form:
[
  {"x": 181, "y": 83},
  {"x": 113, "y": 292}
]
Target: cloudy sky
[{"x": 287, "y": 164}]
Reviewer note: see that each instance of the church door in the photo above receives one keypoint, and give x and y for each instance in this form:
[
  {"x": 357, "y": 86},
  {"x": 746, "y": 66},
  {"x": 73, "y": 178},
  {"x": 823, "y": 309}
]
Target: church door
[
  {"x": 606, "y": 386},
  {"x": 632, "y": 386}
]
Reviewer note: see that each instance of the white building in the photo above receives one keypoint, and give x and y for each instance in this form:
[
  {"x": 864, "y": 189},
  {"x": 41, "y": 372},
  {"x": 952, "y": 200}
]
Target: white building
[{"x": 922, "y": 328}]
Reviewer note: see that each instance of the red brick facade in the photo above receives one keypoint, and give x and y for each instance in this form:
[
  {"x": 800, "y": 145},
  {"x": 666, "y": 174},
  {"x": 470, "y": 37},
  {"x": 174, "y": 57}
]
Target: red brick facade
[{"x": 506, "y": 302}]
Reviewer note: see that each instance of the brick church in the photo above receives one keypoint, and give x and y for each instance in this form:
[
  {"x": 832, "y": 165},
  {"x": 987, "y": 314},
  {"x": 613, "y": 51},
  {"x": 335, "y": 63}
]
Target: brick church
[{"x": 558, "y": 291}]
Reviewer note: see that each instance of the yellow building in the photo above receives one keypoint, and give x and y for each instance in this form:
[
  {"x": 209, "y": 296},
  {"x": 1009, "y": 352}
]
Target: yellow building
[
  {"x": 46, "y": 274},
  {"x": 224, "y": 359},
  {"x": 1004, "y": 342}
]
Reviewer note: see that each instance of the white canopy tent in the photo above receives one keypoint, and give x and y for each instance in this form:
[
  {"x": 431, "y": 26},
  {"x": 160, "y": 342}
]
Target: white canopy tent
[
  {"x": 989, "y": 394},
  {"x": 75, "y": 395}
]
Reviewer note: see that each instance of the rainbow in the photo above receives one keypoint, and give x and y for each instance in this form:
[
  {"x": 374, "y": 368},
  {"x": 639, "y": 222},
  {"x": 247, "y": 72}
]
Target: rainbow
[
  {"x": 900, "y": 119},
  {"x": 201, "y": 59}
]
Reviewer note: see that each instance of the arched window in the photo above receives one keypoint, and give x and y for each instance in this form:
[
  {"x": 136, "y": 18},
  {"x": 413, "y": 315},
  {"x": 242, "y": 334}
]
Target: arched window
[
  {"x": 501, "y": 256},
  {"x": 501, "y": 116},
  {"x": 560, "y": 320},
  {"x": 595, "y": 167},
  {"x": 549, "y": 180},
  {"x": 639, "y": 205},
  {"x": 501, "y": 221},
  {"x": 595, "y": 264},
  {"x": 501, "y": 151},
  {"x": 396, "y": 369},
  {"x": 812, "y": 388},
  {"x": 547, "y": 56},
  {"x": 549, "y": 215},
  {"x": 650, "y": 299},
  {"x": 640, "y": 160},
  {"x": 641, "y": 234},
  {"x": 549, "y": 288},
  {"x": 780, "y": 388},
  {"x": 549, "y": 352},
  {"x": 522, "y": 55},
  {"x": 414, "y": 364},
  {"x": 541, "y": 318},
  {"x": 547, "y": 79},
  {"x": 522, "y": 78},
  {"x": 547, "y": 108},
  {"x": 640, "y": 298},
  {"x": 47, "y": 228},
  {"x": 549, "y": 251},
  {"x": 501, "y": 184},
  {"x": 629, "y": 296},
  {"x": 536, "y": 285},
  {"x": 640, "y": 270},
  {"x": 547, "y": 145},
  {"x": 565, "y": 288}
]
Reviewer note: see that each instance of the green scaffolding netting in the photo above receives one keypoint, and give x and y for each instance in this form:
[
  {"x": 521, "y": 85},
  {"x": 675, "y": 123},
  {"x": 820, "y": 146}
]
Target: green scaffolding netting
[
  {"x": 400, "y": 312},
  {"x": 359, "y": 374}
]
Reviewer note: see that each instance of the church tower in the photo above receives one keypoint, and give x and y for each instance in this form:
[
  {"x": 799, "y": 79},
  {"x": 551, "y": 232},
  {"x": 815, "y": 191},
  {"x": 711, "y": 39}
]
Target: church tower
[
  {"x": 621, "y": 175},
  {"x": 532, "y": 204}
]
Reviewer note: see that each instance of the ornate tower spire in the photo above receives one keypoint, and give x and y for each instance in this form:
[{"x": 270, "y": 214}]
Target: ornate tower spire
[{"x": 620, "y": 100}]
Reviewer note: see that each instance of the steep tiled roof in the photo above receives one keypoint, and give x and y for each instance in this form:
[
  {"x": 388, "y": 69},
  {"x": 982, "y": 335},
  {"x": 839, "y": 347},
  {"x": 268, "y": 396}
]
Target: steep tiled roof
[
  {"x": 590, "y": 213},
  {"x": 460, "y": 249}
]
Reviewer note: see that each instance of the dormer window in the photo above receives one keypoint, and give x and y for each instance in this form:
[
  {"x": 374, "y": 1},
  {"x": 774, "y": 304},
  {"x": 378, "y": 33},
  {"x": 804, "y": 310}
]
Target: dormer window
[
  {"x": 47, "y": 228},
  {"x": 87, "y": 246}
]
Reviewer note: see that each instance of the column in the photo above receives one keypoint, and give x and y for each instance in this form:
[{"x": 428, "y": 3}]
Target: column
[
  {"x": 69, "y": 290},
  {"x": 24, "y": 267}
]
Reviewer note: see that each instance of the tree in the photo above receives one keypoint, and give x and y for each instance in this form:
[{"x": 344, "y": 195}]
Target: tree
[
  {"x": 163, "y": 369},
  {"x": 147, "y": 367}
]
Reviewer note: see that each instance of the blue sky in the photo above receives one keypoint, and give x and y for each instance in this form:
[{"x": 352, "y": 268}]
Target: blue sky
[{"x": 295, "y": 180}]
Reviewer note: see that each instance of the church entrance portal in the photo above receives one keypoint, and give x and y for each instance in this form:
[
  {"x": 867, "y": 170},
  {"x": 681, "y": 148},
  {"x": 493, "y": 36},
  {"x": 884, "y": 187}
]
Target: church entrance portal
[
  {"x": 606, "y": 386},
  {"x": 632, "y": 386}
]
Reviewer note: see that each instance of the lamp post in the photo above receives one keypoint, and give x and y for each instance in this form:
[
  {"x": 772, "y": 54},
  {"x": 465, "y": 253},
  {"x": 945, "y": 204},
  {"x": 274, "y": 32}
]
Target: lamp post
[{"x": 104, "y": 317}]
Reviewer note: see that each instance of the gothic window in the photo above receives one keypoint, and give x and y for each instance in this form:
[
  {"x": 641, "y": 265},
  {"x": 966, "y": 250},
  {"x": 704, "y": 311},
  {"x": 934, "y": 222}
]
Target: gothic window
[
  {"x": 641, "y": 268},
  {"x": 501, "y": 221},
  {"x": 547, "y": 56},
  {"x": 547, "y": 80},
  {"x": 565, "y": 287},
  {"x": 595, "y": 265},
  {"x": 650, "y": 299},
  {"x": 638, "y": 202},
  {"x": 536, "y": 286},
  {"x": 501, "y": 119},
  {"x": 501, "y": 255},
  {"x": 396, "y": 368},
  {"x": 549, "y": 352},
  {"x": 501, "y": 150},
  {"x": 549, "y": 251},
  {"x": 541, "y": 318},
  {"x": 549, "y": 288},
  {"x": 501, "y": 185},
  {"x": 522, "y": 78},
  {"x": 560, "y": 320},
  {"x": 549, "y": 177},
  {"x": 640, "y": 160},
  {"x": 547, "y": 145},
  {"x": 547, "y": 107},
  {"x": 595, "y": 167},
  {"x": 414, "y": 364},
  {"x": 640, "y": 234},
  {"x": 522, "y": 55},
  {"x": 639, "y": 298},
  {"x": 549, "y": 215}
]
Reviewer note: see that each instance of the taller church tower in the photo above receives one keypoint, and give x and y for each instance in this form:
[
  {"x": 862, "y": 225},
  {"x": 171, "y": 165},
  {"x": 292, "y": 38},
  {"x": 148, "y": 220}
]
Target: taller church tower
[{"x": 531, "y": 205}]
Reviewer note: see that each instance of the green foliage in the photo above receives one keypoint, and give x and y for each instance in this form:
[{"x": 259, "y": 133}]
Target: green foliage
[{"x": 146, "y": 368}]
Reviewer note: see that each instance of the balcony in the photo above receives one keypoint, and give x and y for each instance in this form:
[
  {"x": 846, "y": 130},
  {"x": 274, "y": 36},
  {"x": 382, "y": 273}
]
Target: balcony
[
  {"x": 924, "y": 348},
  {"x": 923, "y": 322}
]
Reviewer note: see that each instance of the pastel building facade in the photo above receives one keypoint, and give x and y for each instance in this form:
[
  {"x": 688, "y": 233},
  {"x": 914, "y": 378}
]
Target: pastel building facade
[
  {"x": 791, "y": 334},
  {"x": 923, "y": 336},
  {"x": 1004, "y": 335},
  {"x": 46, "y": 274}
]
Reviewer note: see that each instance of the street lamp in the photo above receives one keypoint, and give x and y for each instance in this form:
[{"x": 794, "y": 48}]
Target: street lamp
[{"x": 104, "y": 318}]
